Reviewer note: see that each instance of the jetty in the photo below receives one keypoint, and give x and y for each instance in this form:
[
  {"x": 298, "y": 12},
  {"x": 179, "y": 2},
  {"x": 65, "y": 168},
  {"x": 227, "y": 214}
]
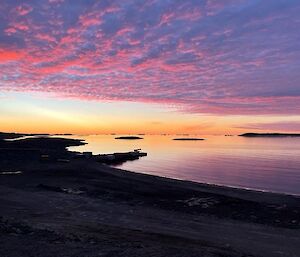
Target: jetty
[{"x": 117, "y": 158}]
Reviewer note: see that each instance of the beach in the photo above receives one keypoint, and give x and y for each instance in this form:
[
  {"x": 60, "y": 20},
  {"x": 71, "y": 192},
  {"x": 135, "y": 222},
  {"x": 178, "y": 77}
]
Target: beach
[{"x": 84, "y": 208}]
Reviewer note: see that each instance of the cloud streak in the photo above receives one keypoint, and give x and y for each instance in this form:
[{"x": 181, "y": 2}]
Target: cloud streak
[
  {"x": 291, "y": 126},
  {"x": 221, "y": 57}
]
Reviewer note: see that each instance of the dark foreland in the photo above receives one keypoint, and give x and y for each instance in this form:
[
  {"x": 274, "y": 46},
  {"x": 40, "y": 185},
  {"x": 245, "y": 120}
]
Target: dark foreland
[{"x": 53, "y": 203}]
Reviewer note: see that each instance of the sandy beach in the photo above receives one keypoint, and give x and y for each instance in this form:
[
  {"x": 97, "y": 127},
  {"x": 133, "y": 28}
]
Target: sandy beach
[{"x": 84, "y": 208}]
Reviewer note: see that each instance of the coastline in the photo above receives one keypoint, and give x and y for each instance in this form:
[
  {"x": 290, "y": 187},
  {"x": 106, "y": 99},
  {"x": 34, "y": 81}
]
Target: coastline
[
  {"x": 222, "y": 188},
  {"x": 83, "y": 208}
]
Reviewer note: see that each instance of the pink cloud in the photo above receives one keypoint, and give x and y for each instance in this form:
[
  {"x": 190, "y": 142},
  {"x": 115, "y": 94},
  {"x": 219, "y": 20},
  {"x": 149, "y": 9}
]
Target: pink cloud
[
  {"x": 45, "y": 37},
  {"x": 7, "y": 55},
  {"x": 219, "y": 57},
  {"x": 19, "y": 26},
  {"x": 23, "y": 9},
  {"x": 56, "y": 1}
]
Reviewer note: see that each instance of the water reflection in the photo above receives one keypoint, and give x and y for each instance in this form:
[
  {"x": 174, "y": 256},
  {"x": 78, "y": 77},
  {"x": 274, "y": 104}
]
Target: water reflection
[{"x": 271, "y": 164}]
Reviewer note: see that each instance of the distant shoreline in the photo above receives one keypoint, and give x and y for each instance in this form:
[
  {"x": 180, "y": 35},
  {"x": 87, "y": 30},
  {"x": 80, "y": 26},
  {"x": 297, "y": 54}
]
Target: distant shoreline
[
  {"x": 13, "y": 135},
  {"x": 129, "y": 138},
  {"x": 270, "y": 135},
  {"x": 188, "y": 139}
]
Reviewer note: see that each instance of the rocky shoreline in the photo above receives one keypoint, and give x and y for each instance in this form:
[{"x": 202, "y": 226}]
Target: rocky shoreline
[{"x": 86, "y": 209}]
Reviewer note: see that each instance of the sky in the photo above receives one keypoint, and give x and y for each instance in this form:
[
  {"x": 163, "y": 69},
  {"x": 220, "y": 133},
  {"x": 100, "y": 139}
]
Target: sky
[{"x": 150, "y": 66}]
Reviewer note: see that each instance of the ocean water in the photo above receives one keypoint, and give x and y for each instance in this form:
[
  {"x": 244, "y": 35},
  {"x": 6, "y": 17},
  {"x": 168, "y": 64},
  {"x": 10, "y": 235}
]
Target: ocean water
[{"x": 271, "y": 164}]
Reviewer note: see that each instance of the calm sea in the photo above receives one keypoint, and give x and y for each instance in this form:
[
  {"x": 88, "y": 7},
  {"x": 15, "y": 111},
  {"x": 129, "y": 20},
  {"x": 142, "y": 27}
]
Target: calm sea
[{"x": 271, "y": 164}]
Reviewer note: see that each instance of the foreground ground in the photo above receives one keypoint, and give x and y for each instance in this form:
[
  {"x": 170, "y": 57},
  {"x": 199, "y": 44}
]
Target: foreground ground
[{"x": 85, "y": 209}]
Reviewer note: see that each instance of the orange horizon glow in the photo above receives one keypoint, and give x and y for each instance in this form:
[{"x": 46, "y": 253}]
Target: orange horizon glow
[{"x": 26, "y": 113}]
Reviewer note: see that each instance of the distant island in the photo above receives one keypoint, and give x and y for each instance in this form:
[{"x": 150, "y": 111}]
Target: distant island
[
  {"x": 129, "y": 138},
  {"x": 188, "y": 139},
  {"x": 269, "y": 135}
]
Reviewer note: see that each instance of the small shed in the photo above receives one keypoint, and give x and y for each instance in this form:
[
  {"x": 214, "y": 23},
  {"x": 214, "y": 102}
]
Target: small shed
[{"x": 87, "y": 154}]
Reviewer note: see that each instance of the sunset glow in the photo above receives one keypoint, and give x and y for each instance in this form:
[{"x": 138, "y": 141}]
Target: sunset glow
[{"x": 197, "y": 67}]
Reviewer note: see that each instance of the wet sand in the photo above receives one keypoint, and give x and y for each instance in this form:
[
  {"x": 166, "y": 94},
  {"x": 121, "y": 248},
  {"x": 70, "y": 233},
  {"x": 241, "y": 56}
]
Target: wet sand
[{"x": 83, "y": 208}]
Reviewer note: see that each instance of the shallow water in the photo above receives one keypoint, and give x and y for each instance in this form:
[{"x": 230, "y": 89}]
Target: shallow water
[{"x": 271, "y": 164}]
